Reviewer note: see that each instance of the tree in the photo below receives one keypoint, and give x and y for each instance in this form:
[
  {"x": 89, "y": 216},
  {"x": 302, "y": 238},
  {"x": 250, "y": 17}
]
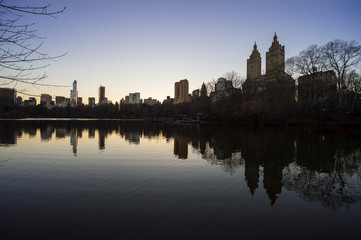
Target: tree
[
  {"x": 19, "y": 55},
  {"x": 353, "y": 86},
  {"x": 235, "y": 77},
  {"x": 340, "y": 56}
]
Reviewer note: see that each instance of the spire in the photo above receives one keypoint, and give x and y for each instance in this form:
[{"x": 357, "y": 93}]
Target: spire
[
  {"x": 255, "y": 46},
  {"x": 275, "y": 37}
]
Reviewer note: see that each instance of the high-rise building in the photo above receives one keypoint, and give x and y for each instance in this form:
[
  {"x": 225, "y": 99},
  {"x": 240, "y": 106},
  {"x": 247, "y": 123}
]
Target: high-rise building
[
  {"x": 8, "y": 96},
  {"x": 275, "y": 57},
  {"x": 45, "y": 99},
  {"x": 102, "y": 95},
  {"x": 181, "y": 91},
  {"x": 134, "y": 98},
  {"x": 74, "y": 94},
  {"x": 80, "y": 101},
  {"x": 91, "y": 102},
  {"x": 60, "y": 101},
  {"x": 254, "y": 64}
]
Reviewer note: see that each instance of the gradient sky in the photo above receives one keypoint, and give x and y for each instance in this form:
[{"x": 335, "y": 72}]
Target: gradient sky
[{"x": 147, "y": 45}]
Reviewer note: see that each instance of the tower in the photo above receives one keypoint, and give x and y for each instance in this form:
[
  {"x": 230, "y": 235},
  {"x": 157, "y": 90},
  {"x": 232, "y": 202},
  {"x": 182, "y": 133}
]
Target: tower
[
  {"x": 181, "y": 90},
  {"x": 275, "y": 57},
  {"x": 254, "y": 64},
  {"x": 74, "y": 94},
  {"x": 101, "y": 95}
]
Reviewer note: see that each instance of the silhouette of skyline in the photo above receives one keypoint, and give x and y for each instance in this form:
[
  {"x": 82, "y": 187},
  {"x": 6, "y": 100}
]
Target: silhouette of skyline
[{"x": 141, "y": 45}]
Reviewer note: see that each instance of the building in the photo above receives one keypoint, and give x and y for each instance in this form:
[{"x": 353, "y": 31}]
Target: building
[
  {"x": 102, "y": 99},
  {"x": 80, "y": 101},
  {"x": 134, "y": 98},
  {"x": 181, "y": 91},
  {"x": 46, "y": 100},
  {"x": 60, "y": 101},
  {"x": 195, "y": 93},
  {"x": 168, "y": 100},
  {"x": 30, "y": 102},
  {"x": 91, "y": 101},
  {"x": 150, "y": 101},
  {"x": 8, "y": 96},
  {"x": 19, "y": 100},
  {"x": 74, "y": 94},
  {"x": 223, "y": 88},
  {"x": 317, "y": 91},
  {"x": 203, "y": 91},
  {"x": 275, "y": 86}
]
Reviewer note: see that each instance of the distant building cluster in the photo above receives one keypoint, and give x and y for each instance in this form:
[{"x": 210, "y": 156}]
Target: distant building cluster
[{"x": 316, "y": 90}]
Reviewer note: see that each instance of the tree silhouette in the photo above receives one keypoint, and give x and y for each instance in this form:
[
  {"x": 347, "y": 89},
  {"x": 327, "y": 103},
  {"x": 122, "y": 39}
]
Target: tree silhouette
[{"x": 19, "y": 54}]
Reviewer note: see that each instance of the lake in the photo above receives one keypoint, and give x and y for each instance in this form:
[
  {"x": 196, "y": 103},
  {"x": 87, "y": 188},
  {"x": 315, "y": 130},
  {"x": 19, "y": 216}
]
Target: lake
[{"x": 108, "y": 179}]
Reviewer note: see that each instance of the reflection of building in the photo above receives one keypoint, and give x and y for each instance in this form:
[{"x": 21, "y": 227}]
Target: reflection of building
[
  {"x": 133, "y": 136},
  {"x": 60, "y": 132},
  {"x": 102, "y": 134},
  {"x": 181, "y": 90},
  {"x": 91, "y": 132},
  {"x": 8, "y": 96},
  {"x": 180, "y": 146},
  {"x": 74, "y": 140},
  {"x": 46, "y": 132}
]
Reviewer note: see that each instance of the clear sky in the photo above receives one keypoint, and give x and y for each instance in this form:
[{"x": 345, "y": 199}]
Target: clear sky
[{"x": 147, "y": 45}]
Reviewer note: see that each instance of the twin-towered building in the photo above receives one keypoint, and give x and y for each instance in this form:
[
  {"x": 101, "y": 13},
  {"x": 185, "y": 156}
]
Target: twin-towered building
[{"x": 275, "y": 78}]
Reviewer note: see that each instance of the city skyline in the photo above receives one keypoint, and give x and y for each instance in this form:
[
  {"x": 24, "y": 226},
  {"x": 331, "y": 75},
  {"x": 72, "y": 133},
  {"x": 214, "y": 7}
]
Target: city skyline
[{"x": 146, "y": 47}]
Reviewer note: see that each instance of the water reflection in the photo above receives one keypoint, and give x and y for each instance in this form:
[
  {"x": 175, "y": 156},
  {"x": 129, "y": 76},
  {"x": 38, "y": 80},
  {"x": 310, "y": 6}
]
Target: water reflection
[{"x": 318, "y": 165}]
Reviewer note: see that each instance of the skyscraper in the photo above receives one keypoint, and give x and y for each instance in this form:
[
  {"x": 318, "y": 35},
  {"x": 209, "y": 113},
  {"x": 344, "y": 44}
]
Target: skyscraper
[
  {"x": 102, "y": 95},
  {"x": 74, "y": 94}
]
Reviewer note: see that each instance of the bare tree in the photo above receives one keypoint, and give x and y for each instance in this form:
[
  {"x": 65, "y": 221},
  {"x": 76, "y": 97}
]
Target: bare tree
[
  {"x": 340, "y": 56},
  {"x": 307, "y": 62},
  {"x": 353, "y": 86},
  {"x": 19, "y": 56},
  {"x": 235, "y": 77},
  {"x": 211, "y": 86}
]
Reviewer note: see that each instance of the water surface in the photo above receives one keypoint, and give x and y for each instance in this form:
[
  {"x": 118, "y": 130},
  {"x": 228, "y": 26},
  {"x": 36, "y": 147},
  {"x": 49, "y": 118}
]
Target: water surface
[{"x": 113, "y": 179}]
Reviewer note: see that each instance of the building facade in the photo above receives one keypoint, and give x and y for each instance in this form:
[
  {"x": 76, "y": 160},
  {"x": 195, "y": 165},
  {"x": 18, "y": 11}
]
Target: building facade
[
  {"x": 74, "y": 94},
  {"x": 275, "y": 87},
  {"x": 8, "y": 96},
  {"x": 102, "y": 95},
  {"x": 134, "y": 98},
  {"x": 91, "y": 101},
  {"x": 317, "y": 91},
  {"x": 181, "y": 91}
]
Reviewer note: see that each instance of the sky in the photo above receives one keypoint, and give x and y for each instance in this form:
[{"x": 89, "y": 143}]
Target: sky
[{"x": 147, "y": 45}]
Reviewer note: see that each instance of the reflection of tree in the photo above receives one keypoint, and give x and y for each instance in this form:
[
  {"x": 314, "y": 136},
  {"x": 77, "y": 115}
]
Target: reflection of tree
[
  {"x": 320, "y": 166},
  {"x": 7, "y": 134},
  {"x": 327, "y": 169}
]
